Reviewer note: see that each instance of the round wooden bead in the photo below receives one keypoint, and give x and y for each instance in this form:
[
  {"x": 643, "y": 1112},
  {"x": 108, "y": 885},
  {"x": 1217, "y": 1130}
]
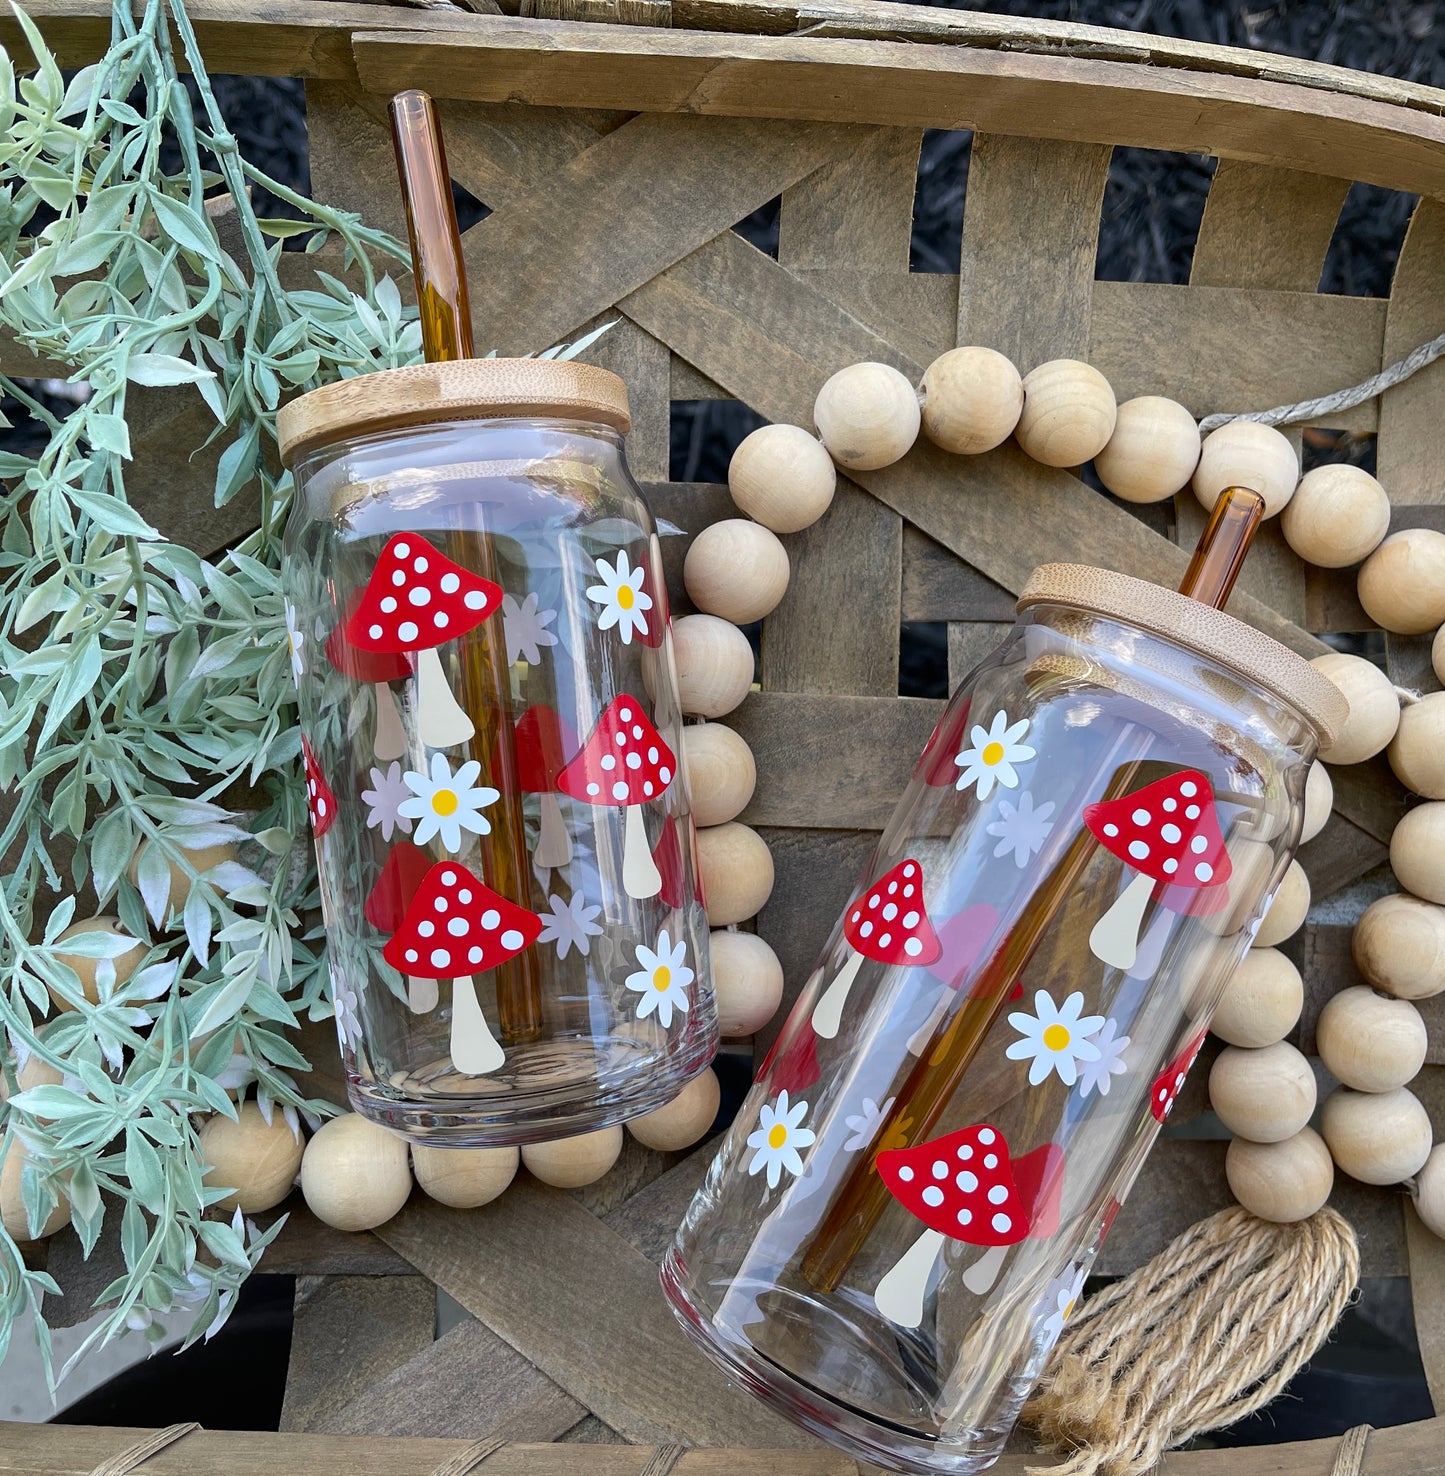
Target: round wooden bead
[
  {"x": 721, "y": 772},
  {"x": 747, "y": 981},
  {"x": 1417, "y": 851},
  {"x": 1374, "y": 707},
  {"x": 1153, "y": 451},
  {"x": 33, "y": 1073},
  {"x": 1369, "y": 1041},
  {"x": 12, "y": 1199},
  {"x": 202, "y": 859},
  {"x": 782, "y": 477},
  {"x": 1337, "y": 515},
  {"x": 125, "y": 963},
  {"x": 1261, "y": 1002},
  {"x": 569, "y": 1163},
  {"x": 1430, "y": 1191},
  {"x": 1319, "y": 801},
  {"x": 1402, "y": 584},
  {"x": 1252, "y": 863},
  {"x": 464, "y": 1177},
  {"x": 1284, "y": 1181},
  {"x": 736, "y": 569},
  {"x": 1399, "y": 946},
  {"x": 257, "y": 1160},
  {"x": 972, "y": 398},
  {"x": 1437, "y": 654},
  {"x": 1068, "y": 415},
  {"x": 1287, "y": 912},
  {"x": 1265, "y": 1095},
  {"x": 354, "y": 1173},
  {"x": 1376, "y": 1137},
  {"x": 867, "y": 415},
  {"x": 714, "y": 664},
  {"x": 737, "y": 872},
  {"x": 1417, "y": 751},
  {"x": 1244, "y": 454},
  {"x": 681, "y": 1122}
]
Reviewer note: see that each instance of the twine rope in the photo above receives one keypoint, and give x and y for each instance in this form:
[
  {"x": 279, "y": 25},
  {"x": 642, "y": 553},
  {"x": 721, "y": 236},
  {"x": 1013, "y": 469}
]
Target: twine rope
[
  {"x": 664, "y": 1458},
  {"x": 469, "y": 1457},
  {"x": 1344, "y": 399},
  {"x": 1207, "y": 1332},
  {"x": 127, "y": 1460},
  {"x": 1350, "y": 1457}
]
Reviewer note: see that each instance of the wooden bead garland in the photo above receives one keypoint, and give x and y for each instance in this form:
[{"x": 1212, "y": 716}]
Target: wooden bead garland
[
  {"x": 737, "y": 872},
  {"x": 1369, "y": 1041},
  {"x": 1152, "y": 452},
  {"x": 1264, "y": 1095},
  {"x": 1429, "y": 1191},
  {"x": 1374, "y": 707},
  {"x": 736, "y": 569},
  {"x": 972, "y": 400},
  {"x": 201, "y": 860},
  {"x": 1402, "y": 584},
  {"x": 1284, "y": 1181},
  {"x": 1069, "y": 413},
  {"x": 569, "y": 1163},
  {"x": 714, "y": 665},
  {"x": 867, "y": 416},
  {"x": 1378, "y": 1138},
  {"x": 1417, "y": 751},
  {"x": 1261, "y": 1002},
  {"x": 12, "y": 1199},
  {"x": 125, "y": 964},
  {"x": 256, "y": 1159},
  {"x": 1287, "y": 912},
  {"x": 1417, "y": 851},
  {"x": 1244, "y": 454},
  {"x": 464, "y": 1178},
  {"x": 1337, "y": 516},
  {"x": 1399, "y": 946},
  {"x": 354, "y": 1173},
  {"x": 782, "y": 477},
  {"x": 1319, "y": 799},
  {"x": 721, "y": 772},
  {"x": 747, "y": 981},
  {"x": 680, "y": 1123}
]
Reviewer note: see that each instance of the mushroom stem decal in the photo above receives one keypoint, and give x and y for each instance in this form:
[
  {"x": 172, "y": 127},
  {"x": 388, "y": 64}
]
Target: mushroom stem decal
[
  {"x": 544, "y": 745},
  {"x": 456, "y": 928},
  {"x": 889, "y": 925},
  {"x": 416, "y": 600},
  {"x": 624, "y": 763},
  {"x": 386, "y": 905},
  {"x": 1039, "y": 1179},
  {"x": 1169, "y": 833},
  {"x": 962, "y": 1187}
]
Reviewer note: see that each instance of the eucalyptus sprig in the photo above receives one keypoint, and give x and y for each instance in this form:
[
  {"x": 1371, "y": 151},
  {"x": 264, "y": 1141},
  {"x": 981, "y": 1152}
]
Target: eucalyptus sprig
[{"x": 142, "y": 688}]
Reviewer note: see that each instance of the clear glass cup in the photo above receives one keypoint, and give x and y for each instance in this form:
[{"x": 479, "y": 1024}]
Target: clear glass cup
[
  {"x": 903, "y": 1213},
  {"x": 491, "y": 731}
]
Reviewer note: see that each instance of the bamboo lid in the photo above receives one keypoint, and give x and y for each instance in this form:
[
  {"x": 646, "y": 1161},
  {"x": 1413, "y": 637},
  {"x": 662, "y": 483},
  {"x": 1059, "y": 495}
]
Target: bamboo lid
[
  {"x": 1256, "y": 657},
  {"x": 465, "y": 389}
]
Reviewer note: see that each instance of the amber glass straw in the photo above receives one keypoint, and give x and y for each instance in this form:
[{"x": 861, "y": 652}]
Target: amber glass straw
[
  {"x": 446, "y": 335},
  {"x": 925, "y": 1096}
]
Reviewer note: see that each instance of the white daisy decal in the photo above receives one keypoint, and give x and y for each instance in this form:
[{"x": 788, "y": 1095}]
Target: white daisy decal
[
  {"x": 1054, "y": 1038},
  {"x": 348, "y": 1019},
  {"x": 777, "y": 1138},
  {"x": 864, "y": 1125},
  {"x": 992, "y": 754},
  {"x": 388, "y": 792},
  {"x": 570, "y": 925},
  {"x": 1057, "y": 1304},
  {"x": 1094, "y": 1076},
  {"x": 445, "y": 804},
  {"x": 621, "y": 597},
  {"x": 1022, "y": 828},
  {"x": 525, "y": 629},
  {"x": 295, "y": 643},
  {"x": 662, "y": 979}
]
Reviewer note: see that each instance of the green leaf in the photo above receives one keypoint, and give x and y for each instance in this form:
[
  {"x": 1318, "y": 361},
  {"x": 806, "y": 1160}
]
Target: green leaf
[
  {"x": 162, "y": 369},
  {"x": 108, "y": 433},
  {"x": 113, "y": 515},
  {"x": 186, "y": 227},
  {"x": 237, "y": 465},
  {"x": 153, "y": 878},
  {"x": 77, "y": 678}
]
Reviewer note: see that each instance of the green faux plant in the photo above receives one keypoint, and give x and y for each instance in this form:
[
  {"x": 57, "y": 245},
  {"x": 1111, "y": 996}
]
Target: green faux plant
[{"x": 139, "y": 683}]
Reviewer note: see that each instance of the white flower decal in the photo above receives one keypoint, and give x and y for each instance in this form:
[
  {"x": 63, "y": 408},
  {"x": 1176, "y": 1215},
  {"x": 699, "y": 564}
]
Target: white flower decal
[
  {"x": 1095, "y": 1076},
  {"x": 1060, "y": 1297},
  {"x": 445, "y": 804},
  {"x": 662, "y": 980},
  {"x": 295, "y": 642},
  {"x": 1054, "y": 1038},
  {"x": 1022, "y": 828},
  {"x": 570, "y": 925},
  {"x": 348, "y": 1019},
  {"x": 388, "y": 792},
  {"x": 524, "y": 627},
  {"x": 623, "y": 602},
  {"x": 864, "y": 1125},
  {"x": 777, "y": 1138},
  {"x": 993, "y": 752}
]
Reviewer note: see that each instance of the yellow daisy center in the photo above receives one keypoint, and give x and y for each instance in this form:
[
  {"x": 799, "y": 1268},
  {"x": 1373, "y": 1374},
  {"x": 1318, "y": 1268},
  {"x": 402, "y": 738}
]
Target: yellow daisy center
[
  {"x": 1069, "y": 1310},
  {"x": 626, "y": 596},
  {"x": 1056, "y": 1037},
  {"x": 777, "y": 1135},
  {"x": 444, "y": 802},
  {"x": 992, "y": 753},
  {"x": 661, "y": 977}
]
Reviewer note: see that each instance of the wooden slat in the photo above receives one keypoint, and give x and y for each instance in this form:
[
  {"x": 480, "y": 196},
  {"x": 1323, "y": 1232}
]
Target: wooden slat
[
  {"x": 526, "y": 1269},
  {"x": 1339, "y": 855},
  {"x": 351, "y": 157},
  {"x": 643, "y": 364},
  {"x": 564, "y": 64},
  {"x": 939, "y": 586},
  {"x": 969, "y": 642},
  {"x": 1426, "y": 1258},
  {"x": 1030, "y": 240}
]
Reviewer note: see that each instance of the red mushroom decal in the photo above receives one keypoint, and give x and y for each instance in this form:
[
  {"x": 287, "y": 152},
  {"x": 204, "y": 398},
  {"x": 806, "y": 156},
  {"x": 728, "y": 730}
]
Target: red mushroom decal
[
  {"x": 320, "y": 801},
  {"x": 376, "y": 669},
  {"x": 667, "y": 857},
  {"x": 625, "y": 762},
  {"x": 962, "y": 1187},
  {"x": 401, "y": 878},
  {"x": 544, "y": 744},
  {"x": 416, "y": 600},
  {"x": 1168, "y": 832},
  {"x": 654, "y": 586},
  {"x": 889, "y": 924},
  {"x": 1168, "y": 1084},
  {"x": 936, "y": 762},
  {"x": 456, "y": 928},
  {"x": 1039, "y": 1179},
  {"x": 961, "y": 942}
]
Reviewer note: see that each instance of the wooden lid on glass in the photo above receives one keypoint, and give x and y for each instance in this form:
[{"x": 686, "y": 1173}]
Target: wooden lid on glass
[
  {"x": 463, "y": 389},
  {"x": 1197, "y": 627}
]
